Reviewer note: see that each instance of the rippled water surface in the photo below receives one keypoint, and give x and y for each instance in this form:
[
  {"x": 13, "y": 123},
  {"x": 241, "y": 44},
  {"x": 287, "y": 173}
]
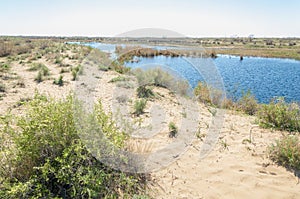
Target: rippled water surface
[{"x": 264, "y": 77}]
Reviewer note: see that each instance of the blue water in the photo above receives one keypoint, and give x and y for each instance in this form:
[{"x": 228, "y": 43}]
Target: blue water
[{"x": 266, "y": 78}]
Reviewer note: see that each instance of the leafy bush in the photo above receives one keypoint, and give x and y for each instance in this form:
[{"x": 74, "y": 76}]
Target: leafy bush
[
  {"x": 76, "y": 71},
  {"x": 118, "y": 67},
  {"x": 118, "y": 79},
  {"x": 139, "y": 106},
  {"x": 286, "y": 152},
  {"x": 173, "y": 130},
  {"x": 144, "y": 92},
  {"x": 39, "y": 67},
  {"x": 42, "y": 155},
  {"x": 59, "y": 81},
  {"x": 39, "y": 77},
  {"x": 4, "y": 67},
  {"x": 209, "y": 95},
  {"x": 161, "y": 78},
  {"x": 2, "y": 87},
  {"x": 280, "y": 115},
  {"x": 247, "y": 104}
]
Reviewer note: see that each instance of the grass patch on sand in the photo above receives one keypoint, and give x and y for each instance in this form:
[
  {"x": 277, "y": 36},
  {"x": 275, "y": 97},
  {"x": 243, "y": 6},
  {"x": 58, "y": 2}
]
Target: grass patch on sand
[{"x": 286, "y": 152}]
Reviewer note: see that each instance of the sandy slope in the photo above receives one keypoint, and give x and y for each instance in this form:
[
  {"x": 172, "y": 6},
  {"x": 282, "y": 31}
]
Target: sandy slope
[
  {"x": 236, "y": 168},
  {"x": 240, "y": 171}
]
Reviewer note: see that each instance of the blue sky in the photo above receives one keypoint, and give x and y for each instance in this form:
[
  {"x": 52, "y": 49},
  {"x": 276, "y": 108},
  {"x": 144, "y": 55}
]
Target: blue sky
[{"x": 197, "y": 18}]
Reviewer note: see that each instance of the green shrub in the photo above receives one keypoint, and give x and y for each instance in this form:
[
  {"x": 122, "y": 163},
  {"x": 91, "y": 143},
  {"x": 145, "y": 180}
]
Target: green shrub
[
  {"x": 39, "y": 77},
  {"x": 286, "y": 152},
  {"x": 103, "y": 68},
  {"x": 59, "y": 81},
  {"x": 4, "y": 67},
  {"x": 42, "y": 155},
  {"x": 247, "y": 104},
  {"x": 280, "y": 115},
  {"x": 118, "y": 67},
  {"x": 2, "y": 87},
  {"x": 39, "y": 67},
  {"x": 144, "y": 92},
  {"x": 58, "y": 60},
  {"x": 173, "y": 130},
  {"x": 139, "y": 106},
  {"x": 202, "y": 92},
  {"x": 76, "y": 71},
  {"x": 161, "y": 78},
  {"x": 118, "y": 79},
  {"x": 209, "y": 95}
]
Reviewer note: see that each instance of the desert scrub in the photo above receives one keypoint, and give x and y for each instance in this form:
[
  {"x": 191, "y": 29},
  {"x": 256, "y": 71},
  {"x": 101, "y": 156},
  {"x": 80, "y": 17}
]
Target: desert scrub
[
  {"x": 144, "y": 92},
  {"x": 40, "y": 67},
  {"x": 78, "y": 70},
  {"x": 280, "y": 115},
  {"x": 286, "y": 152},
  {"x": 59, "y": 81},
  {"x": 118, "y": 79},
  {"x": 42, "y": 155},
  {"x": 4, "y": 67},
  {"x": 248, "y": 104},
  {"x": 173, "y": 130},
  {"x": 209, "y": 95},
  {"x": 2, "y": 87},
  {"x": 39, "y": 77},
  {"x": 161, "y": 78},
  {"x": 118, "y": 67},
  {"x": 139, "y": 106}
]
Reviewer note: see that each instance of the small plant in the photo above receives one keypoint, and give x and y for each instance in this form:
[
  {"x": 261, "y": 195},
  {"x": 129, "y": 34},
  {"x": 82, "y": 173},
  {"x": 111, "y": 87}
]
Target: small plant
[
  {"x": 247, "y": 104},
  {"x": 58, "y": 60},
  {"x": 126, "y": 85},
  {"x": 224, "y": 145},
  {"x": 286, "y": 152},
  {"x": 40, "y": 67},
  {"x": 63, "y": 71},
  {"x": 139, "y": 106},
  {"x": 118, "y": 79},
  {"x": 103, "y": 68},
  {"x": 59, "y": 81},
  {"x": 76, "y": 71},
  {"x": 2, "y": 88},
  {"x": 280, "y": 115},
  {"x": 144, "y": 92},
  {"x": 122, "y": 99},
  {"x": 39, "y": 77},
  {"x": 200, "y": 135},
  {"x": 173, "y": 130},
  {"x": 4, "y": 67}
]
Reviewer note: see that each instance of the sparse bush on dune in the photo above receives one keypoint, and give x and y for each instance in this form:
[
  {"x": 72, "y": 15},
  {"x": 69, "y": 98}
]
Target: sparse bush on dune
[
  {"x": 42, "y": 155},
  {"x": 59, "y": 81},
  {"x": 208, "y": 95},
  {"x": 161, "y": 78},
  {"x": 78, "y": 70},
  {"x": 4, "y": 67},
  {"x": 118, "y": 79},
  {"x": 2, "y": 87},
  {"x": 40, "y": 67},
  {"x": 139, "y": 106},
  {"x": 118, "y": 67},
  {"x": 173, "y": 130},
  {"x": 280, "y": 115},
  {"x": 39, "y": 77},
  {"x": 144, "y": 92},
  {"x": 248, "y": 104},
  {"x": 286, "y": 152}
]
